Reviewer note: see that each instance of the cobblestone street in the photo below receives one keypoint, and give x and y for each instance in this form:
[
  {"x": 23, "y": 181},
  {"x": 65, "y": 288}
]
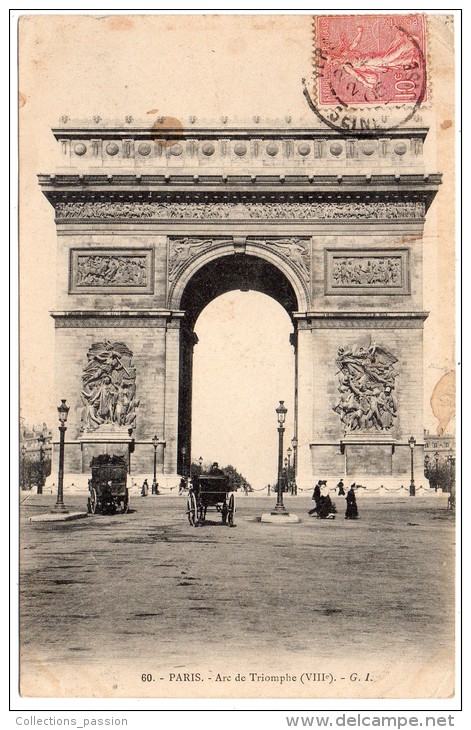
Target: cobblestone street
[{"x": 107, "y": 599}]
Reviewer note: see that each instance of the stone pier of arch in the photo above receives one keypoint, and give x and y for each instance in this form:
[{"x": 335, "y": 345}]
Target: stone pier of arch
[{"x": 149, "y": 231}]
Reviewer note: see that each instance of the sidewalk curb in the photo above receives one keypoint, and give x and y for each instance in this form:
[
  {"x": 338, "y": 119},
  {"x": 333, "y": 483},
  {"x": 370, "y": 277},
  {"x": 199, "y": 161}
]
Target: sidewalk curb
[{"x": 51, "y": 517}]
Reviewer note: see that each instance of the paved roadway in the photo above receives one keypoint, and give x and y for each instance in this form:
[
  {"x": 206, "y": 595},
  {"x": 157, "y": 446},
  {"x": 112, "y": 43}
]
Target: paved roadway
[{"x": 107, "y": 599}]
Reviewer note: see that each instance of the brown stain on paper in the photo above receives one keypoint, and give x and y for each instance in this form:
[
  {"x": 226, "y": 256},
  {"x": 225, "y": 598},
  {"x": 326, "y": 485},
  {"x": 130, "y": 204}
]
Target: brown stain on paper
[
  {"x": 170, "y": 124},
  {"x": 446, "y": 124},
  {"x": 443, "y": 400},
  {"x": 21, "y": 100}
]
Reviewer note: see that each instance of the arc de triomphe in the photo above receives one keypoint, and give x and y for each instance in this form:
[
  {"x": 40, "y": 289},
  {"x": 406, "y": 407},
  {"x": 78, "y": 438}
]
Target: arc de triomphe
[{"x": 152, "y": 225}]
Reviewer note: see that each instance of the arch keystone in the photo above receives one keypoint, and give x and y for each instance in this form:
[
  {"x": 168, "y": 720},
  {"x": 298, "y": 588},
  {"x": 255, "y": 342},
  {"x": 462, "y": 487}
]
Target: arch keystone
[{"x": 240, "y": 243}]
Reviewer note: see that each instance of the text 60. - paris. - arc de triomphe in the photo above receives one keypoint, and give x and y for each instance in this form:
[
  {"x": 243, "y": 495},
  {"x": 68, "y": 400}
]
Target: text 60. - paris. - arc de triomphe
[{"x": 153, "y": 225}]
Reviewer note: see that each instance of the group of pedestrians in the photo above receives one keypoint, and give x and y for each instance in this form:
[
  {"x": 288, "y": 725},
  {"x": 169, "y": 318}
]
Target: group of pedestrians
[
  {"x": 325, "y": 509},
  {"x": 145, "y": 488}
]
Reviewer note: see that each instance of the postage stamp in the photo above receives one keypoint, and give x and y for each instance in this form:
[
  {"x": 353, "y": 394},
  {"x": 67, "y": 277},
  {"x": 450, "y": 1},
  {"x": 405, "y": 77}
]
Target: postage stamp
[
  {"x": 369, "y": 71},
  {"x": 371, "y": 59}
]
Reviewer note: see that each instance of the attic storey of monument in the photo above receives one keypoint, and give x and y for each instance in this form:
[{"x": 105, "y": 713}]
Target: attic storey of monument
[{"x": 151, "y": 228}]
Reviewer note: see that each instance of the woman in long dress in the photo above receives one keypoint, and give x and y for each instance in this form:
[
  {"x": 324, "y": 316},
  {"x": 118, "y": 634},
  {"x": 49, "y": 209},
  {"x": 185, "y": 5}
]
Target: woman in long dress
[{"x": 352, "y": 509}]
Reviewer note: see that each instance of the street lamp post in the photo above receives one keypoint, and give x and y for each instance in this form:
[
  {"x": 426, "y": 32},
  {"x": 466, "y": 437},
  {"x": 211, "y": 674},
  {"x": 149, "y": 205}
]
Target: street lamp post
[
  {"x": 184, "y": 451},
  {"x": 281, "y": 413},
  {"x": 294, "y": 443},
  {"x": 289, "y": 451},
  {"x": 155, "y": 441},
  {"x": 41, "y": 441},
  {"x": 427, "y": 467},
  {"x": 200, "y": 462},
  {"x": 451, "y": 461},
  {"x": 436, "y": 457},
  {"x": 412, "y": 443},
  {"x": 131, "y": 447},
  {"x": 59, "y": 506}
]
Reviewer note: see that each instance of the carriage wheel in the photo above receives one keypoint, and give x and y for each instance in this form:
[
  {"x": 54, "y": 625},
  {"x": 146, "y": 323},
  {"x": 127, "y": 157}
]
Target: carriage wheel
[
  {"x": 191, "y": 509},
  {"x": 125, "y": 504},
  {"x": 93, "y": 501},
  {"x": 230, "y": 511}
]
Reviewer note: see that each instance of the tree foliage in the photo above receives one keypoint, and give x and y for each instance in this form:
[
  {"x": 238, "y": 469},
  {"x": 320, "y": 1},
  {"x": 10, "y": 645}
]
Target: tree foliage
[
  {"x": 236, "y": 479},
  {"x": 442, "y": 477},
  {"x": 33, "y": 473}
]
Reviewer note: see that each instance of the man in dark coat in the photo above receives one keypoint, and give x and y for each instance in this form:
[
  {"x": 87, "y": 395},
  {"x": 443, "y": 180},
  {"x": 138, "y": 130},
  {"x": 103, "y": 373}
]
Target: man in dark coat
[
  {"x": 352, "y": 509},
  {"x": 341, "y": 490},
  {"x": 316, "y": 496}
]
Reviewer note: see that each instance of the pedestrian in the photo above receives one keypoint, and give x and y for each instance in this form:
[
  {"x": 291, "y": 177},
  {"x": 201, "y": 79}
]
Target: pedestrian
[
  {"x": 268, "y": 489},
  {"x": 107, "y": 502},
  {"x": 326, "y": 508},
  {"x": 452, "y": 498},
  {"x": 352, "y": 509},
  {"x": 316, "y": 496},
  {"x": 182, "y": 486},
  {"x": 144, "y": 488},
  {"x": 340, "y": 487}
]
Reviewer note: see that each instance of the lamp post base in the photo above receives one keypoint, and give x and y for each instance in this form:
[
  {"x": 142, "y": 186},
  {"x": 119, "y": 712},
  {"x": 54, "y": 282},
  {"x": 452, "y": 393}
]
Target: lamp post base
[
  {"x": 280, "y": 509},
  {"x": 279, "y": 518},
  {"x": 59, "y": 508}
]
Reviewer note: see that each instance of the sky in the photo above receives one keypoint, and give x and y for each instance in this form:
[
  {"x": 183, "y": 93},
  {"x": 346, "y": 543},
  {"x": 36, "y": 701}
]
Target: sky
[{"x": 243, "y": 365}]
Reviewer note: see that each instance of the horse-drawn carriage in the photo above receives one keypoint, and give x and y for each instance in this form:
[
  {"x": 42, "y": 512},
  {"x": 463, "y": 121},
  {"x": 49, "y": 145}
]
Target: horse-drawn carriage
[
  {"x": 210, "y": 490},
  {"x": 107, "y": 488}
]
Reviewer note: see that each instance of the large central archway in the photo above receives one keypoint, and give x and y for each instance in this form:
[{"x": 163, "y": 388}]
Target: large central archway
[
  {"x": 243, "y": 364},
  {"x": 210, "y": 281}
]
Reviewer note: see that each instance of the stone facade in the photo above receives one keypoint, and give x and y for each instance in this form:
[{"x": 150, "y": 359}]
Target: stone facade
[{"x": 330, "y": 226}]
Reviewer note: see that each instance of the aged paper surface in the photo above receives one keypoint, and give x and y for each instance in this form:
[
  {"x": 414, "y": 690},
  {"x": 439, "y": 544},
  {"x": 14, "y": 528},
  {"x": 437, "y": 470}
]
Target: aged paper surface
[{"x": 200, "y": 72}]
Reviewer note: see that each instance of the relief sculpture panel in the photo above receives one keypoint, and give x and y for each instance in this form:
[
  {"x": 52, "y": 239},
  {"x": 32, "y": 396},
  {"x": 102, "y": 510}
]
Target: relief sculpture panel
[
  {"x": 367, "y": 377},
  {"x": 182, "y": 250},
  {"x": 367, "y": 272},
  {"x": 109, "y": 271},
  {"x": 108, "y": 387},
  {"x": 295, "y": 249}
]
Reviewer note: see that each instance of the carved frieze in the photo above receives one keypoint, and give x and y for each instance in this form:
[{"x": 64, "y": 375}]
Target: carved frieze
[
  {"x": 367, "y": 377},
  {"x": 353, "y": 271},
  {"x": 131, "y": 210},
  {"x": 108, "y": 387},
  {"x": 109, "y": 271}
]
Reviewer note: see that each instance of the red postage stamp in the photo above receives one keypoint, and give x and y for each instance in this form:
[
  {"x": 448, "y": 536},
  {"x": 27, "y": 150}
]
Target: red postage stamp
[{"x": 370, "y": 59}]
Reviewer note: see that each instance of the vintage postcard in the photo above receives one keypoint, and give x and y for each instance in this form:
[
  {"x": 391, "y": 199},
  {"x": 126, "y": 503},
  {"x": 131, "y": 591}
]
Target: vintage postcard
[{"x": 237, "y": 353}]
